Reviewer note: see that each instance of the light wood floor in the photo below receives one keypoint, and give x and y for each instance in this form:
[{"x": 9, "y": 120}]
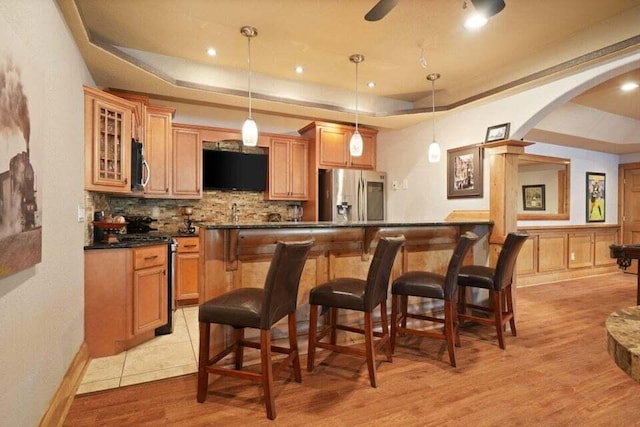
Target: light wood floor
[{"x": 556, "y": 372}]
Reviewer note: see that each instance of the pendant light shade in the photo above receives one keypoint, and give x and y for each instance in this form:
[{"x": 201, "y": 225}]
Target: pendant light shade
[
  {"x": 355, "y": 144},
  {"x": 249, "y": 128},
  {"x": 434, "y": 147}
]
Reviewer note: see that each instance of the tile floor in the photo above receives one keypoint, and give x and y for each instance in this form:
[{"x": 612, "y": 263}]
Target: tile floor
[{"x": 164, "y": 356}]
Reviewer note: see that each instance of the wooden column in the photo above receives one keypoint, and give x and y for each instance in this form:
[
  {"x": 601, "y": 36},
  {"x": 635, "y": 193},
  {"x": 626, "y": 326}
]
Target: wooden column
[{"x": 503, "y": 203}]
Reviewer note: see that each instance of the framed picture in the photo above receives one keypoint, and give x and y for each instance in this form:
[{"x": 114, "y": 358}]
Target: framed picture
[
  {"x": 497, "y": 132},
  {"x": 464, "y": 172},
  {"x": 533, "y": 197},
  {"x": 596, "y": 197}
]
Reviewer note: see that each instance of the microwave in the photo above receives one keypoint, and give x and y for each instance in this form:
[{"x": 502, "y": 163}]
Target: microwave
[{"x": 140, "y": 172}]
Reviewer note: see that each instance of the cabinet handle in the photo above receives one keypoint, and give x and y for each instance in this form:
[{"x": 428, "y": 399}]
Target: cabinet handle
[
  {"x": 126, "y": 181},
  {"x": 190, "y": 246},
  {"x": 151, "y": 257},
  {"x": 166, "y": 190}
]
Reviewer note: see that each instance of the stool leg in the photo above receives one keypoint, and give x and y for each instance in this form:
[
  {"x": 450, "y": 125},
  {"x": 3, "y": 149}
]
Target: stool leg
[
  {"x": 497, "y": 315},
  {"x": 512, "y": 321},
  {"x": 449, "y": 331},
  {"x": 404, "y": 299},
  {"x": 203, "y": 360},
  {"x": 267, "y": 373},
  {"x": 462, "y": 299},
  {"x": 368, "y": 342},
  {"x": 238, "y": 348},
  {"x": 293, "y": 345},
  {"x": 385, "y": 330},
  {"x": 313, "y": 327},
  {"x": 456, "y": 320},
  {"x": 394, "y": 321}
]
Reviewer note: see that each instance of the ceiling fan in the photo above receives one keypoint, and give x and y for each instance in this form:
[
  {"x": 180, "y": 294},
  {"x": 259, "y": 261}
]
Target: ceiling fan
[{"x": 380, "y": 10}]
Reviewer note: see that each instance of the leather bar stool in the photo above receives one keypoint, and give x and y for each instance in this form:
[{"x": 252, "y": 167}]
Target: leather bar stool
[
  {"x": 358, "y": 295},
  {"x": 425, "y": 284},
  {"x": 498, "y": 281},
  {"x": 258, "y": 308}
]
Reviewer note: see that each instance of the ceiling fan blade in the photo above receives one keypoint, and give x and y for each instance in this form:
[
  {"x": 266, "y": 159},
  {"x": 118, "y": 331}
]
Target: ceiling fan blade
[{"x": 380, "y": 10}]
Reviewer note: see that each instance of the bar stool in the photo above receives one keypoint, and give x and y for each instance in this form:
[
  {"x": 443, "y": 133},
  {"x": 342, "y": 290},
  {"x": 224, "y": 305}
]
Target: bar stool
[
  {"x": 258, "y": 308},
  {"x": 358, "y": 295},
  {"x": 425, "y": 284},
  {"x": 498, "y": 281}
]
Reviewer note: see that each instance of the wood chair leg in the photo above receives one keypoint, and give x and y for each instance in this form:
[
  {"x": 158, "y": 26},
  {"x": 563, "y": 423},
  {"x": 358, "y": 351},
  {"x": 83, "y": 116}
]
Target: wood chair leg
[
  {"x": 385, "y": 330},
  {"x": 293, "y": 345},
  {"x": 368, "y": 342},
  {"x": 512, "y": 321},
  {"x": 313, "y": 327},
  {"x": 203, "y": 360},
  {"x": 394, "y": 321},
  {"x": 238, "y": 336},
  {"x": 449, "y": 331},
  {"x": 267, "y": 373},
  {"x": 456, "y": 321},
  {"x": 404, "y": 299},
  {"x": 462, "y": 299},
  {"x": 497, "y": 314},
  {"x": 333, "y": 321}
]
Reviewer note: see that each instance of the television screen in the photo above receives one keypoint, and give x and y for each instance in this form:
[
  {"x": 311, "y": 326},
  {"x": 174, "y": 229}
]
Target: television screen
[{"x": 231, "y": 170}]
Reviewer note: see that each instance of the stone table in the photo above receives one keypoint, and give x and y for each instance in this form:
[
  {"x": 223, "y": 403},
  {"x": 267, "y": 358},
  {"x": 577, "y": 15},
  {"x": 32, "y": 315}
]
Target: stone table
[{"x": 623, "y": 340}]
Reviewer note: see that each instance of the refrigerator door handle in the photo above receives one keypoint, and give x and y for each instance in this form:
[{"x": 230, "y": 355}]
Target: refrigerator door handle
[{"x": 362, "y": 199}]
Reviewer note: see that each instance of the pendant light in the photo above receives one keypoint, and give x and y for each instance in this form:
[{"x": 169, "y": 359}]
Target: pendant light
[
  {"x": 434, "y": 147},
  {"x": 249, "y": 128},
  {"x": 355, "y": 144}
]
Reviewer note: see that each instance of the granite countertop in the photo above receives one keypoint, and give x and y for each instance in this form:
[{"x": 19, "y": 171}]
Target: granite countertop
[
  {"x": 330, "y": 224},
  {"x": 140, "y": 243},
  {"x": 623, "y": 340}
]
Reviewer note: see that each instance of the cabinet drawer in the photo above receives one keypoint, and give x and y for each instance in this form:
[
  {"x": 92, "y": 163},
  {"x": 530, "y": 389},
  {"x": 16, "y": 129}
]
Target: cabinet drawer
[
  {"x": 188, "y": 244},
  {"x": 149, "y": 256}
]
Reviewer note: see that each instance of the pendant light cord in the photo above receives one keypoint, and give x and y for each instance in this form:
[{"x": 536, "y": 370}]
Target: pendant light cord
[
  {"x": 249, "y": 42},
  {"x": 356, "y": 97},
  {"x": 433, "y": 107}
]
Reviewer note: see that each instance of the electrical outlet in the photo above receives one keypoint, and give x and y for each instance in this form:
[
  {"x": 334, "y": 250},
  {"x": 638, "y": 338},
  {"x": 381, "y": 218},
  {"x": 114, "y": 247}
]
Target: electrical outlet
[
  {"x": 394, "y": 185},
  {"x": 405, "y": 184},
  {"x": 573, "y": 256}
]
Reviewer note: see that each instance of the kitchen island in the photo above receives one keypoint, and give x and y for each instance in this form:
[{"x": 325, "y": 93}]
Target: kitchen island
[{"x": 235, "y": 255}]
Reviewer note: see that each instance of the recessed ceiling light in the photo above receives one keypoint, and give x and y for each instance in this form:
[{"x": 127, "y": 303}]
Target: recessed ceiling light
[
  {"x": 371, "y": 84},
  {"x": 299, "y": 69},
  {"x": 475, "y": 21},
  {"x": 629, "y": 86},
  {"x": 212, "y": 51}
]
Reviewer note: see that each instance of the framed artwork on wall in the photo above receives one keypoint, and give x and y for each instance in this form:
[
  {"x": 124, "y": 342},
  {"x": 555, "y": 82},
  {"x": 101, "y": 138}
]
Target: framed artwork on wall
[
  {"x": 596, "y": 197},
  {"x": 533, "y": 198},
  {"x": 464, "y": 172}
]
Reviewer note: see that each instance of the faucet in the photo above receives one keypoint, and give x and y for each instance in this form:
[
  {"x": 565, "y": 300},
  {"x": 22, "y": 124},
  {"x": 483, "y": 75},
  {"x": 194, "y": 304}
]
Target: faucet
[{"x": 235, "y": 216}]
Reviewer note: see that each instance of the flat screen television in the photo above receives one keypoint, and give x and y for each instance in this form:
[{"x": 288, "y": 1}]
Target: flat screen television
[{"x": 231, "y": 170}]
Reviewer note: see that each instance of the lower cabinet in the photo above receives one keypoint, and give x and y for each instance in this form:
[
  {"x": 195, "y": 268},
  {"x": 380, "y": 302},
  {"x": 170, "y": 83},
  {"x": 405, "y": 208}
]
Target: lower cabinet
[
  {"x": 126, "y": 297},
  {"x": 187, "y": 270},
  {"x": 561, "y": 253}
]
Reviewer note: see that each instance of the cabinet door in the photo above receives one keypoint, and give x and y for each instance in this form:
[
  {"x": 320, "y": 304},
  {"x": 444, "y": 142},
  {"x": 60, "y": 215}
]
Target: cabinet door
[
  {"x": 527, "y": 262},
  {"x": 279, "y": 169},
  {"x": 552, "y": 252},
  {"x": 298, "y": 165},
  {"x": 580, "y": 250},
  {"x": 187, "y": 164},
  {"x": 150, "y": 300},
  {"x": 368, "y": 158},
  {"x": 108, "y": 143},
  {"x": 333, "y": 147},
  {"x": 157, "y": 151},
  {"x": 187, "y": 276}
]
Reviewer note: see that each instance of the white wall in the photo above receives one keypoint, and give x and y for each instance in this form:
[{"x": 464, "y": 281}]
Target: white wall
[
  {"x": 403, "y": 154},
  {"x": 42, "y": 308}
]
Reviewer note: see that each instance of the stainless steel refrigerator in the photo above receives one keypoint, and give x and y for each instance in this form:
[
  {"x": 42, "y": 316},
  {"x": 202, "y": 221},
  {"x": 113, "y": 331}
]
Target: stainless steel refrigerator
[{"x": 351, "y": 195}]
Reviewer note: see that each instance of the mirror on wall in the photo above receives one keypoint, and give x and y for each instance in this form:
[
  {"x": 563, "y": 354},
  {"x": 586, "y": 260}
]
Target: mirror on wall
[{"x": 543, "y": 187}]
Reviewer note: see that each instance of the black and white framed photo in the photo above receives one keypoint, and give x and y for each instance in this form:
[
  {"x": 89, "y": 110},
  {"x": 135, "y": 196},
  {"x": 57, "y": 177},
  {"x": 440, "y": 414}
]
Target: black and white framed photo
[
  {"x": 533, "y": 197},
  {"x": 497, "y": 132}
]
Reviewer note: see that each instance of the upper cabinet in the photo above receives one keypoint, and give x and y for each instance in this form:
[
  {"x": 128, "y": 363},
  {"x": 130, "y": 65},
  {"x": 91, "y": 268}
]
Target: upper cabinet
[
  {"x": 332, "y": 145},
  {"x": 187, "y": 163},
  {"x": 288, "y": 169},
  {"x": 108, "y": 121},
  {"x": 157, "y": 143}
]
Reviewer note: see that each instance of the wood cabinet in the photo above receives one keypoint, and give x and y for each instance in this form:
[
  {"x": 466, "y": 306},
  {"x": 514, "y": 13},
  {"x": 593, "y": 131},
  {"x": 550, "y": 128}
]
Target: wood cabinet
[
  {"x": 158, "y": 145},
  {"x": 560, "y": 253},
  {"x": 187, "y": 163},
  {"x": 332, "y": 145},
  {"x": 288, "y": 169},
  {"x": 126, "y": 297},
  {"x": 187, "y": 270},
  {"x": 108, "y": 121}
]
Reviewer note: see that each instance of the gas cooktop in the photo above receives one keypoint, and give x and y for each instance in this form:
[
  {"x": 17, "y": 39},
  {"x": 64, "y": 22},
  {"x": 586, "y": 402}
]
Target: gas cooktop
[{"x": 141, "y": 237}]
